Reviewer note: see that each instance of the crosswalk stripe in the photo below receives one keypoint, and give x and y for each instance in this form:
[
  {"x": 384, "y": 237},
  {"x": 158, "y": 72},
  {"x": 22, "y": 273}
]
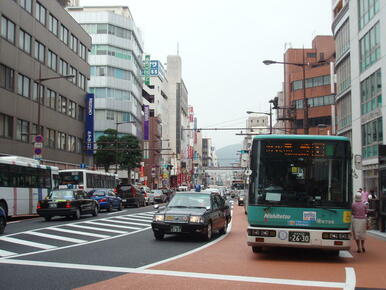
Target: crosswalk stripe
[
  {"x": 114, "y": 226},
  {"x": 54, "y": 237},
  {"x": 127, "y": 223},
  {"x": 78, "y": 233},
  {"x": 145, "y": 214},
  {"x": 133, "y": 223},
  {"x": 137, "y": 219},
  {"x": 96, "y": 229},
  {"x": 4, "y": 253},
  {"x": 27, "y": 243},
  {"x": 142, "y": 217}
]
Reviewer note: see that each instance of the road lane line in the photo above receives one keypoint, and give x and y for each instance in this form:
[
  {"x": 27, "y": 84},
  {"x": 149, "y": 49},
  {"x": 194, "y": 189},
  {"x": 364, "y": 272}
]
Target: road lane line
[
  {"x": 126, "y": 223},
  {"x": 110, "y": 225},
  {"x": 350, "y": 279},
  {"x": 125, "y": 234},
  {"x": 345, "y": 254},
  {"x": 97, "y": 229},
  {"x": 137, "y": 219},
  {"x": 78, "y": 233},
  {"x": 27, "y": 243},
  {"x": 4, "y": 253},
  {"x": 250, "y": 279},
  {"x": 55, "y": 237}
]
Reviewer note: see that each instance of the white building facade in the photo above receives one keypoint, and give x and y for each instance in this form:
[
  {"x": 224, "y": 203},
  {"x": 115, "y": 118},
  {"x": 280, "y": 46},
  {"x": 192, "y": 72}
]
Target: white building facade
[
  {"x": 116, "y": 67},
  {"x": 359, "y": 30}
]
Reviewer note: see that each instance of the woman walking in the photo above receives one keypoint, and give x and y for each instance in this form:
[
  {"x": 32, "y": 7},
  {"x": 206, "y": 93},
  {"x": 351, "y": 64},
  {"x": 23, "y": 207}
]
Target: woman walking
[{"x": 359, "y": 223}]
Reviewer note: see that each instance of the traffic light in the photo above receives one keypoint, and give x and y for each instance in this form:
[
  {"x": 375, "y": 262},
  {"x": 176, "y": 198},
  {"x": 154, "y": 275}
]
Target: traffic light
[{"x": 275, "y": 103}]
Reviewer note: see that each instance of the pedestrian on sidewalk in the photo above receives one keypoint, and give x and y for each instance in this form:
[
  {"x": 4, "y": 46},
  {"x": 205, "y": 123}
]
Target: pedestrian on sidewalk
[{"x": 359, "y": 222}]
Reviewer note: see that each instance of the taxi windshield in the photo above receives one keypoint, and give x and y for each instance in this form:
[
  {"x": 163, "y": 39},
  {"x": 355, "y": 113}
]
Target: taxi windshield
[
  {"x": 190, "y": 200},
  {"x": 61, "y": 194}
]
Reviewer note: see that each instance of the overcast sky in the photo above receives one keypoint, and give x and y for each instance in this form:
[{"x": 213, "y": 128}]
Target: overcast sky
[{"x": 222, "y": 44}]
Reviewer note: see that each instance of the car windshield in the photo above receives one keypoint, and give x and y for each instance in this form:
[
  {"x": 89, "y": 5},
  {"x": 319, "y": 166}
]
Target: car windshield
[
  {"x": 97, "y": 193},
  {"x": 61, "y": 194},
  {"x": 190, "y": 200}
]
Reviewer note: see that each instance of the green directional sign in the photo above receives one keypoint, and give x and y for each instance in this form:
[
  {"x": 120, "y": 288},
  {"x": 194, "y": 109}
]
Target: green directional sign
[{"x": 146, "y": 69}]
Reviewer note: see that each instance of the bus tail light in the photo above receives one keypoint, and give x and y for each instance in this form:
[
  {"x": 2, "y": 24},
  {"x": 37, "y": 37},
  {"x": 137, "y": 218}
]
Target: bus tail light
[
  {"x": 259, "y": 240},
  {"x": 261, "y": 233},
  {"x": 338, "y": 243},
  {"x": 38, "y": 205},
  {"x": 68, "y": 204}
]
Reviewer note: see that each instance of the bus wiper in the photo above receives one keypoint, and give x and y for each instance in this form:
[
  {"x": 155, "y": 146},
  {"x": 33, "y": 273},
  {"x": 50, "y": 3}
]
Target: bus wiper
[{"x": 329, "y": 209}]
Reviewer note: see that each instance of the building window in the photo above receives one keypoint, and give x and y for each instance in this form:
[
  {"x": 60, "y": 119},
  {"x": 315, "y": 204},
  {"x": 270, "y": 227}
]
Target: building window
[
  {"x": 82, "y": 51},
  {"x": 372, "y": 136},
  {"x": 51, "y": 138},
  {"x": 366, "y": 11},
  {"x": 81, "y": 81},
  {"x": 40, "y": 51},
  {"x": 311, "y": 55},
  {"x": 22, "y": 130},
  {"x": 71, "y": 145},
  {"x": 61, "y": 140},
  {"x": 369, "y": 45},
  {"x": 109, "y": 115},
  {"x": 52, "y": 60},
  {"x": 36, "y": 88},
  {"x": 51, "y": 99},
  {"x": 312, "y": 82},
  {"x": 7, "y": 78},
  {"x": 63, "y": 67},
  {"x": 342, "y": 39},
  {"x": 371, "y": 93},
  {"x": 63, "y": 105},
  {"x": 111, "y": 72},
  {"x": 343, "y": 109},
  {"x": 343, "y": 75},
  {"x": 8, "y": 29},
  {"x": 72, "y": 109},
  {"x": 316, "y": 102},
  {"x": 34, "y": 132},
  {"x": 74, "y": 43},
  {"x": 6, "y": 126},
  {"x": 40, "y": 13},
  {"x": 98, "y": 49},
  {"x": 25, "y": 40},
  {"x": 27, "y": 5},
  {"x": 53, "y": 24},
  {"x": 23, "y": 86},
  {"x": 74, "y": 73},
  {"x": 64, "y": 34}
]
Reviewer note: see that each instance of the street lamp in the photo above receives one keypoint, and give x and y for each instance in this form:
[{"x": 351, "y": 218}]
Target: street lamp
[
  {"x": 116, "y": 141},
  {"x": 265, "y": 113}
]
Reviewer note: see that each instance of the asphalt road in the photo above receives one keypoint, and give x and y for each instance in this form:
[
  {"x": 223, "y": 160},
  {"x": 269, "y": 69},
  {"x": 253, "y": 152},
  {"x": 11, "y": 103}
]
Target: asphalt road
[{"x": 118, "y": 239}]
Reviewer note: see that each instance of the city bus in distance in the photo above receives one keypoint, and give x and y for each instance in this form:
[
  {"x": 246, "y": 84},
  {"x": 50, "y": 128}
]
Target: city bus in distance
[
  {"x": 87, "y": 179},
  {"x": 23, "y": 182},
  {"x": 300, "y": 192}
]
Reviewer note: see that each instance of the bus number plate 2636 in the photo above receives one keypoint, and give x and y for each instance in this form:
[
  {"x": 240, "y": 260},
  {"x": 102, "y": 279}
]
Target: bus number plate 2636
[{"x": 299, "y": 237}]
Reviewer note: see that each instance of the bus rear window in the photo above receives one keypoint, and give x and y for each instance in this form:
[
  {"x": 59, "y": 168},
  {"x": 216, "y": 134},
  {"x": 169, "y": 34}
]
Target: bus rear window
[{"x": 71, "y": 178}]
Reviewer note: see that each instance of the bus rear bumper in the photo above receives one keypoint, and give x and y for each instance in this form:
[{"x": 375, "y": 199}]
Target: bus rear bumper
[{"x": 317, "y": 239}]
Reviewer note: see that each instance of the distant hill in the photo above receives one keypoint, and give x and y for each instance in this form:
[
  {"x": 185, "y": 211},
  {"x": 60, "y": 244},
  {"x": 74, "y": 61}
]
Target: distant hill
[{"x": 228, "y": 154}]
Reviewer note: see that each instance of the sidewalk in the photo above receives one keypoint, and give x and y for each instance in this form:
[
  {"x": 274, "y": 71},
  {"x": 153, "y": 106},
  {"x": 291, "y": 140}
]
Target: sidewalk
[{"x": 377, "y": 234}]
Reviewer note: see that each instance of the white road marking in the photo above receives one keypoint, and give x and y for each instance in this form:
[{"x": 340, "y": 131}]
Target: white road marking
[
  {"x": 138, "y": 220},
  {"x": 78, "y": 233},
  {"x": 142, "y": 216},
  {"x": 55, "y": 237},
  {"x": 350, "y": 279},
  {"x": 348, "y": 285},
  {"x": 27, "y": 243},
  {"x": 96, "y": 229},
  {"x": 110, "y": 225},
  {"x": 345, "y": 254},
  {"x": 125, "y": 223},
  {"x": 4, "y": 253},
  {"x": 133, "y": 223},
  {"x": 147, "y": 214}
]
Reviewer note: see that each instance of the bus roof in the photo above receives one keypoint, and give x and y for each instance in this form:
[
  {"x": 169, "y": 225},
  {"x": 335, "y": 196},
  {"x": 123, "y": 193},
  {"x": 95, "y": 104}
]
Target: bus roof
[
  {"x": 88, "y": 171},
  {"x": 26, "y": 162},
  {"x": 302, "y": 137}
]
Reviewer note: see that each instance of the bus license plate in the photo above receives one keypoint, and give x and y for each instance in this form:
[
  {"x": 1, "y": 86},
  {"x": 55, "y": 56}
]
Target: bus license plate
[
  {"x": 175, "y": 229},
  {"x": 299, "y": 237}
]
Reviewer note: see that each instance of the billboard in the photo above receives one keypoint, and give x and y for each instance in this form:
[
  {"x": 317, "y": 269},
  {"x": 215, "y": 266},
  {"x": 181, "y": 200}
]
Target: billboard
[
  {"x": 146, "y": 69},
  {"x": 89, "y": 136}
]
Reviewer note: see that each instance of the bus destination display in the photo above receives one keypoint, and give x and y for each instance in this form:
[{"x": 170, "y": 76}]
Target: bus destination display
[{"x": 295, "y": 149}]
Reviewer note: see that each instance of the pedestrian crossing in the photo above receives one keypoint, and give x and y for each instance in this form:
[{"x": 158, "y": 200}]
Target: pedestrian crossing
[{"x": 78, "y": 233}]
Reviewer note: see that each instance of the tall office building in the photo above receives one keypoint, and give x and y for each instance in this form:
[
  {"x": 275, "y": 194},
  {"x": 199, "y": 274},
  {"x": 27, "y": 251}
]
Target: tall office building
[
  {"x": 116, "y": 67},
  {"x": 41, "y": 44},
  {"x": 359, "y": 30}
]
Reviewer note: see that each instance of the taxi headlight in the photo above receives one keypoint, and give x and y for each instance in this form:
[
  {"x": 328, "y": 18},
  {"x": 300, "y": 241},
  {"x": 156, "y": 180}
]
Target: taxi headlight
[
  {"x": 159, "y": 218},
  {"x": 196, "y": 219}
]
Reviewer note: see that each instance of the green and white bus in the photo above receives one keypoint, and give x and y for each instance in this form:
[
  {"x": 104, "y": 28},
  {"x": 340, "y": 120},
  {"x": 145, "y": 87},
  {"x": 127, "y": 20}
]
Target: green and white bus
[{"x": 300, "y": 192}]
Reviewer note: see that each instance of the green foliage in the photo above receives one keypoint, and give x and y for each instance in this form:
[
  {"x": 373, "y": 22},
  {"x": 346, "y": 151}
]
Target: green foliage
[{"x": 124, "y": 149}]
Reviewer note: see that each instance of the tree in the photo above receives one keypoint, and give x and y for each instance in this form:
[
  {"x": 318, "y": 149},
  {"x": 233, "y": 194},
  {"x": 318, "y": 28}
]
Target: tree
[
  {"x": 105, "y": 153},
  {"x": 130, "y": 155}
]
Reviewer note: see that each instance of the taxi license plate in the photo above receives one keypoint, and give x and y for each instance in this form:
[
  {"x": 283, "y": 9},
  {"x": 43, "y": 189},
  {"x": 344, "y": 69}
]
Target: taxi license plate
[
  {"x": 175, "y": 229},
  {"x": 52, "y": 205},
  {"x": 299, "y": 237}
]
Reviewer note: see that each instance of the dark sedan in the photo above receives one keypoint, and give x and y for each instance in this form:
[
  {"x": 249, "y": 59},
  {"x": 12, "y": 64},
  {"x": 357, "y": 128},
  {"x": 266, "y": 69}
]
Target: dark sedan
[
  {"x": 67, "y": 202},
  {"x": 106, "y": 198},
  {"x": 131, "y": 195},
  {"x": 192, "y": 213}
]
